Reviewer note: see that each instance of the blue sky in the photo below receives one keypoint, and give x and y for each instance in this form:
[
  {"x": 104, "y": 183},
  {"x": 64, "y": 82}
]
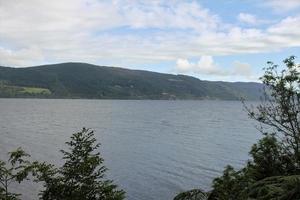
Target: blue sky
[{"x": 214, "y": 40}]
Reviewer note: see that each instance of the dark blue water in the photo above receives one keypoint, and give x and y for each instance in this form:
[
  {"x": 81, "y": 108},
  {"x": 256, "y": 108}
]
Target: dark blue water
[{"x": 153, "y": 149}]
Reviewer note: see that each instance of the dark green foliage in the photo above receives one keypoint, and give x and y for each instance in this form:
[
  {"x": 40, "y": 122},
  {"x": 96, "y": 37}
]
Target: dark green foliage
[
  {"x": 15, "y": 170},
  {"x": 80, "y": 80},
  {"x": 230, "y": 185},
  {"x": 268, "y": 159},
  {"x": 195, "y": 194},
  {"x": 82, "y": 175},
  {"x": 276, "y": 188}
]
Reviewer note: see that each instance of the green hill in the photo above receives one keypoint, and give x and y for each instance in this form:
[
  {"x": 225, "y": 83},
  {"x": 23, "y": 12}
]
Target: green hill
[{"x": 81, "y": 80}]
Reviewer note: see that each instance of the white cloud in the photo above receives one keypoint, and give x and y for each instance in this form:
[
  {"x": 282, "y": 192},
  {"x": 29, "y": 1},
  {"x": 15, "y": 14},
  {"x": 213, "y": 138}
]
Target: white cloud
[
  {"x": 164, "y": 14},
  {"x": 207, "y": 66},
  {"x": 283, "y": 5},
  {"x": 242, "y": 69},
  {"x": 20, "y": 57},
  {"x": 248, "y": 18},
  {"x": 287, "y": 27},
  {"x": 251, "y": 19},
  {"x": 183, "y": 65},
  {"x": 87, "y": 30}
]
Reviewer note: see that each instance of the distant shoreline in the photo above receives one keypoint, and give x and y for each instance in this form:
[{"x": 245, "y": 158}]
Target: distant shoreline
[
  {"x": 123, "y": 99},
  {"x": 86, "y": 81}
]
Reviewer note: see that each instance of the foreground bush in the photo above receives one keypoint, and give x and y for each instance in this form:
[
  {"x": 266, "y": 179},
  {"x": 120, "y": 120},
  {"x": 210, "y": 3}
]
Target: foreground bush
[
  {"x": 195, "y": 194},
  {"x": 82, "y": 176},
  {"x": 276, "y": 188}
]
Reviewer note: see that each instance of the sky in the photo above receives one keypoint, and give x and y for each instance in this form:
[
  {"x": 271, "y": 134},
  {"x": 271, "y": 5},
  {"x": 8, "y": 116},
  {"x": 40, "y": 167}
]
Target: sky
[{"x": 228, "y": 40}]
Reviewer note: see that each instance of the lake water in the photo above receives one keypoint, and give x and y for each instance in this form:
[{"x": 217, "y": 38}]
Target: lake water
[{"x": 153, "y": 149}]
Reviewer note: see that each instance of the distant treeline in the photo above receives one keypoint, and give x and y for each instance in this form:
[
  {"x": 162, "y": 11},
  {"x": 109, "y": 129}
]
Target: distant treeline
[{"x": 80, "y": 80}]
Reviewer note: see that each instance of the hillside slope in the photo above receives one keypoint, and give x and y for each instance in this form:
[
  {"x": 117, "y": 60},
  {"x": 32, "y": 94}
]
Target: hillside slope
[{"x": 81, "y": 80}]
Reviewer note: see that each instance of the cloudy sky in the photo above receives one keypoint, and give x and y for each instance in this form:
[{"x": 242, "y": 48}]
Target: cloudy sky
[{"x": 210, "y": 39}]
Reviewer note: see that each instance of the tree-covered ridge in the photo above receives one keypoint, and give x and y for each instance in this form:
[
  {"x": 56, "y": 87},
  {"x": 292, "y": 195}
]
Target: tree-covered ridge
[{"x": 80, "y": 80}]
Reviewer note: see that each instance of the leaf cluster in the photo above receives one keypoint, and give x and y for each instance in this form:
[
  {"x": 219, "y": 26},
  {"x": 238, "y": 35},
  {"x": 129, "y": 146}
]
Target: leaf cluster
[{"x": 14, "y": 170}]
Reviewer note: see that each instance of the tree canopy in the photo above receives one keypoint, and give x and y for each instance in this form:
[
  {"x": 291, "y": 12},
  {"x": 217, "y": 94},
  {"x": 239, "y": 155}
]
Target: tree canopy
[{"x": 81, "y": 177}]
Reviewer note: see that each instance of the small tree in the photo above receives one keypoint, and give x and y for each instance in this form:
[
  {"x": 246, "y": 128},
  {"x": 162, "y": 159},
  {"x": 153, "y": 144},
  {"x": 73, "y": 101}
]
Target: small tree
[
  {"x": 280, "y": 108},
  {"x": 267, "y": 159},
  {"x": 15, "y": 170},
  {"x": 82, "y": 175}
]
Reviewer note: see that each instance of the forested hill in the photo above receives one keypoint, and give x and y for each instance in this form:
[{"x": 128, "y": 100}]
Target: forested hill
[{"x": 81, "y": 80}]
